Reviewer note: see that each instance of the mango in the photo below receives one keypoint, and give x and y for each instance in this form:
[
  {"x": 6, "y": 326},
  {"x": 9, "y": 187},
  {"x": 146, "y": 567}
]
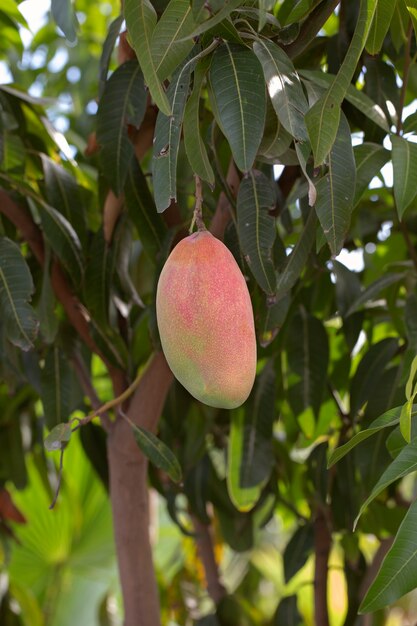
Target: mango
[{"x": 205, "y": 321}]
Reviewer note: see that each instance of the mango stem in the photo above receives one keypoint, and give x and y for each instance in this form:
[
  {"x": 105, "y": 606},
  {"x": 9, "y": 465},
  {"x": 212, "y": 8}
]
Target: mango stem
[{"x": 198, "y": 210}]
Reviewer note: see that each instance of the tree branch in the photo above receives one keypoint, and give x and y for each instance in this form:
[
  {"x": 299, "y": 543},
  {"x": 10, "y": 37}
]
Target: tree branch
[
  {"x": 223, "y": 213},
  {"x": 311, "y": 26},
  {"x": 322, "y": 545},
  {"x": 205, "y": 549}
]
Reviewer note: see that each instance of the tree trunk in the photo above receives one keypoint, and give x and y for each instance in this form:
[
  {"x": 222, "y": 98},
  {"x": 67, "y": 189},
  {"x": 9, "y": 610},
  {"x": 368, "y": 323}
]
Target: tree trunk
[{"x": 129, "y": 498}]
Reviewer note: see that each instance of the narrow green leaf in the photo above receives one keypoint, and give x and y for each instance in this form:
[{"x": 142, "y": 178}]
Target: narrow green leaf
[
  {"x": 56, "y": 387},
  {"x": 16, "y": 288},
  {"x": 194, "y": 144},
  {"x": 404, "y": 162},
  {"x": 369, "y": 158},
  {"x": 63, "y": 14},
  {"x": 284, "y": 87},
  {"x": 360, "y": 100},
  {"x": 264, "y": 7},
  {"x": 301, "y": 9},
  {"x": 405, "y": 420},
  {"x": 410, "y": 388},
  {"x": 14, "y": 153},
  {"x": 228, "y": 7},
  {"x": 403, "y": 464},
  {"x": 258, "y": 458},
  {"x": 287, "y": 613},
  {"x": 48, "y": 320},
  {"x": 108, "y": 47},
  {"x": 397, "y": 575},
  {"x": 257, "y": 229},
  {"x": 303, "y": 151},
  {"x": 298, "y": 257},
  {"x": 158, "y": 453},
  {"x": 388, "y": 419},
  {"x": 238, "y": 90},
  {"x": 276, "y": 140},
  {"x": 380, "y": 25},
  {"x": 98, "y": 279},
  {"x": 373, "y": 290},
  {"x": 298, "y": 550},
  {"x": 169, "y": 45},
  {"x": 243, "y": 498},
  {"x": 141, "y": 21},
  {"x": 412, "y": 9},
  {"x": 58, "y": 436},
  {"x": 13, "y": 12},
  {"x": 123, "y": 102},
  {"x": 335, "y": 191},
  {"x": 323, "y": 118},
  {"x": 63, "y": 240},
  {"x": 142, "y": 211},
  {"x": 63, "y": 193},
  {"x": 308, "y": 356}
]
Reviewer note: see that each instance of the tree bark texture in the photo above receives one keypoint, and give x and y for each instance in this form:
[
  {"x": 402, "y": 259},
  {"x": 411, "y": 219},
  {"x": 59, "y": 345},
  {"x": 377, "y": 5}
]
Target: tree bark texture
[
  {"x": 322, "y": 545},
  {"x": 129, "y": 497}
]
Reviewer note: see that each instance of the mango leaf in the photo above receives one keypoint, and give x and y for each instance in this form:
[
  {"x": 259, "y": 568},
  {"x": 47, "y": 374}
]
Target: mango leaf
[
  {"x": 158, "y": 453},
  {"x": 258, "y": 459},
  {"x": 169, "y": 45},
  {"x": 167, "y": 139},
  {"x": 257, "y": 229},
  {"x": 194, "y": 144},
  {"x": 403, "y": 464},
  {"x": 369, "y": 158},
  {"x": 380, "y": 25},
  {"x": 335, "y": 191},
  {"x": 64, "y": 16},
  {"x": 412, "y": 9},
  {"x": 142, "y": 211},
  {"x": 228, "y": 7},
  {"x": 108, "y": 47},
  {"x": 48, "y": 320},
  {"x": 56, "y": 387},
  {"x": 63, "y": 240},
  {"x": 287, "y": 613},
  {"x": 276, "y": 140},
  {"x": 298, "y": 257},
  {"x": 410, "y": 393},
  {"x": 243, "y": 498},
  {"x": 141, "y": 21},
  {"x": 301, "y": 9},
  {"x": 13, "y": 12},
  {"x": 373, "y": 290},
  {"x": 284, "y": 87},
  {"x": 387, "y": 420},
  {"x": 58, "y": 436},
  {"x": 323, "y": 118},
  {"x": 404, "y": 162},
  {"x": 298, "y": 550},
  {"x": 264, "y": 7},
  {"x": 63, "y": 193},
  {"x": 238, "y": 90},
  {"x": 303, "y": 151},
  {"x": 123, "y": 102},
  {"x": 308, "y": 356},
  {"x": 16, "y": 288},
  {"x": 397, "y": 575},
  {"x": 98, "y": 278}
]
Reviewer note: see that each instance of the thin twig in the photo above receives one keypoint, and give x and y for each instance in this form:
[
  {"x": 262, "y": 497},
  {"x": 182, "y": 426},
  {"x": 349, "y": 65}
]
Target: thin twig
[
  {"x": 58, "y": 487},
  {"x": 198, "y": 210}
]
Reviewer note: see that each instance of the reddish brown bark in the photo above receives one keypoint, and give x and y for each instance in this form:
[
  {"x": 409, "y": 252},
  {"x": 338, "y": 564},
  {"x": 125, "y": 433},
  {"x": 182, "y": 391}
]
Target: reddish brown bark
[{"x": 322, "y": 546}]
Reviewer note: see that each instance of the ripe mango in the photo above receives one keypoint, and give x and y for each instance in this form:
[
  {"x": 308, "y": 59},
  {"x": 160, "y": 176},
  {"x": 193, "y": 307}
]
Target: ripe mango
[{"x": 205, "y": 321}]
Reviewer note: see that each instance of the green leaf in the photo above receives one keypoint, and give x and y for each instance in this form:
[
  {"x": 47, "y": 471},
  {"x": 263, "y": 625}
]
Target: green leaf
[
  {"x": 238, "y": 90},
  {"x": 98, "y": 279},
  {"x": 404, "y": 162},
  {"x": 228, "y": 7},
  {"x": 63, "y": 14},
  {"x": 323, "y": 118},
  {"x": 158, "y": 453},
  {"x": 16, "y": 288},
  {"x": 369, "y": 158},
  {"x": 303, "y": 151},
  {"x": 63, "y": 193},
  {"x": 243, "y": 498},
  {"x": 388, "y": 419},
  {"x": 411, "y": 388},
  {"x": 142, "y": 211},
  {"x": 48, "y": 320},
  {"x": 264, "y": 7},
  {"x": 360, "y": 100},
  {"x": 63, "y": 240},
  {"x": 58, "y": 436},
  {"x": 373, "y": 290},
  {"x": 380, "y": 25},
  {"x": 284, "y": 87},
  {"x": 194, "y": 144},
  {"x": 169, "y": 45},
  {"x": 412, "y": 9},
  {"x": 141, "y": 21},
  {"x": 108, "y": 47},
  {"x": 308, "y": 356},
  {"x": 14, "y": 154},
  {"x": 123, "y": 102},
  {"x": 397, "y": 575},
  {"x": 276, "y": 140},
  {"x": 167, "y": 139},
  {"x": 287, "y": 613},
  {"x": 257, "y": 458},
  {"x": 301, "y": 9},
  {"x": 403, "y": 464},
  {"x": 298, "y": 257},
  {"x": 56, "y": 387},
  {"x": 335, "y": 191},
  {"x": 257, "y": 229},
  {"x": 13, "y": 12},
  {"x": 298, "y": 550}
]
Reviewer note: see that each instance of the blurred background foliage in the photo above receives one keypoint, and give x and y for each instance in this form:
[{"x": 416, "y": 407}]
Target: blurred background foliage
[{"x": 59, "y": 568}]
